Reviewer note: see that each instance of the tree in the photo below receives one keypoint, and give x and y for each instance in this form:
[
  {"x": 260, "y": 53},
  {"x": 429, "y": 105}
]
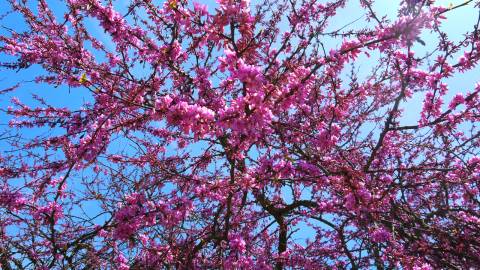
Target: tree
[{"x": 214, "y": 137}]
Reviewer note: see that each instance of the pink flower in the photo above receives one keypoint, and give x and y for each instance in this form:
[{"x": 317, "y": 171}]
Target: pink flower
[
  {"x": 122, "y": 262},
  {"x": 12, "y": 200},
  {"x": 380, "y": 235},
  {"x": 237, "y": 243},
  {"x": 457, "y": 100}
]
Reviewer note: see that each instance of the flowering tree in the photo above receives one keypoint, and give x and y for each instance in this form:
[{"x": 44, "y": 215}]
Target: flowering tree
[{"x": 211, "y": 137}]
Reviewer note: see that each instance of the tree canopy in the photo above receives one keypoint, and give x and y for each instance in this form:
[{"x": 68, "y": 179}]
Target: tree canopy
[{"x": 238, "y": 135}]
